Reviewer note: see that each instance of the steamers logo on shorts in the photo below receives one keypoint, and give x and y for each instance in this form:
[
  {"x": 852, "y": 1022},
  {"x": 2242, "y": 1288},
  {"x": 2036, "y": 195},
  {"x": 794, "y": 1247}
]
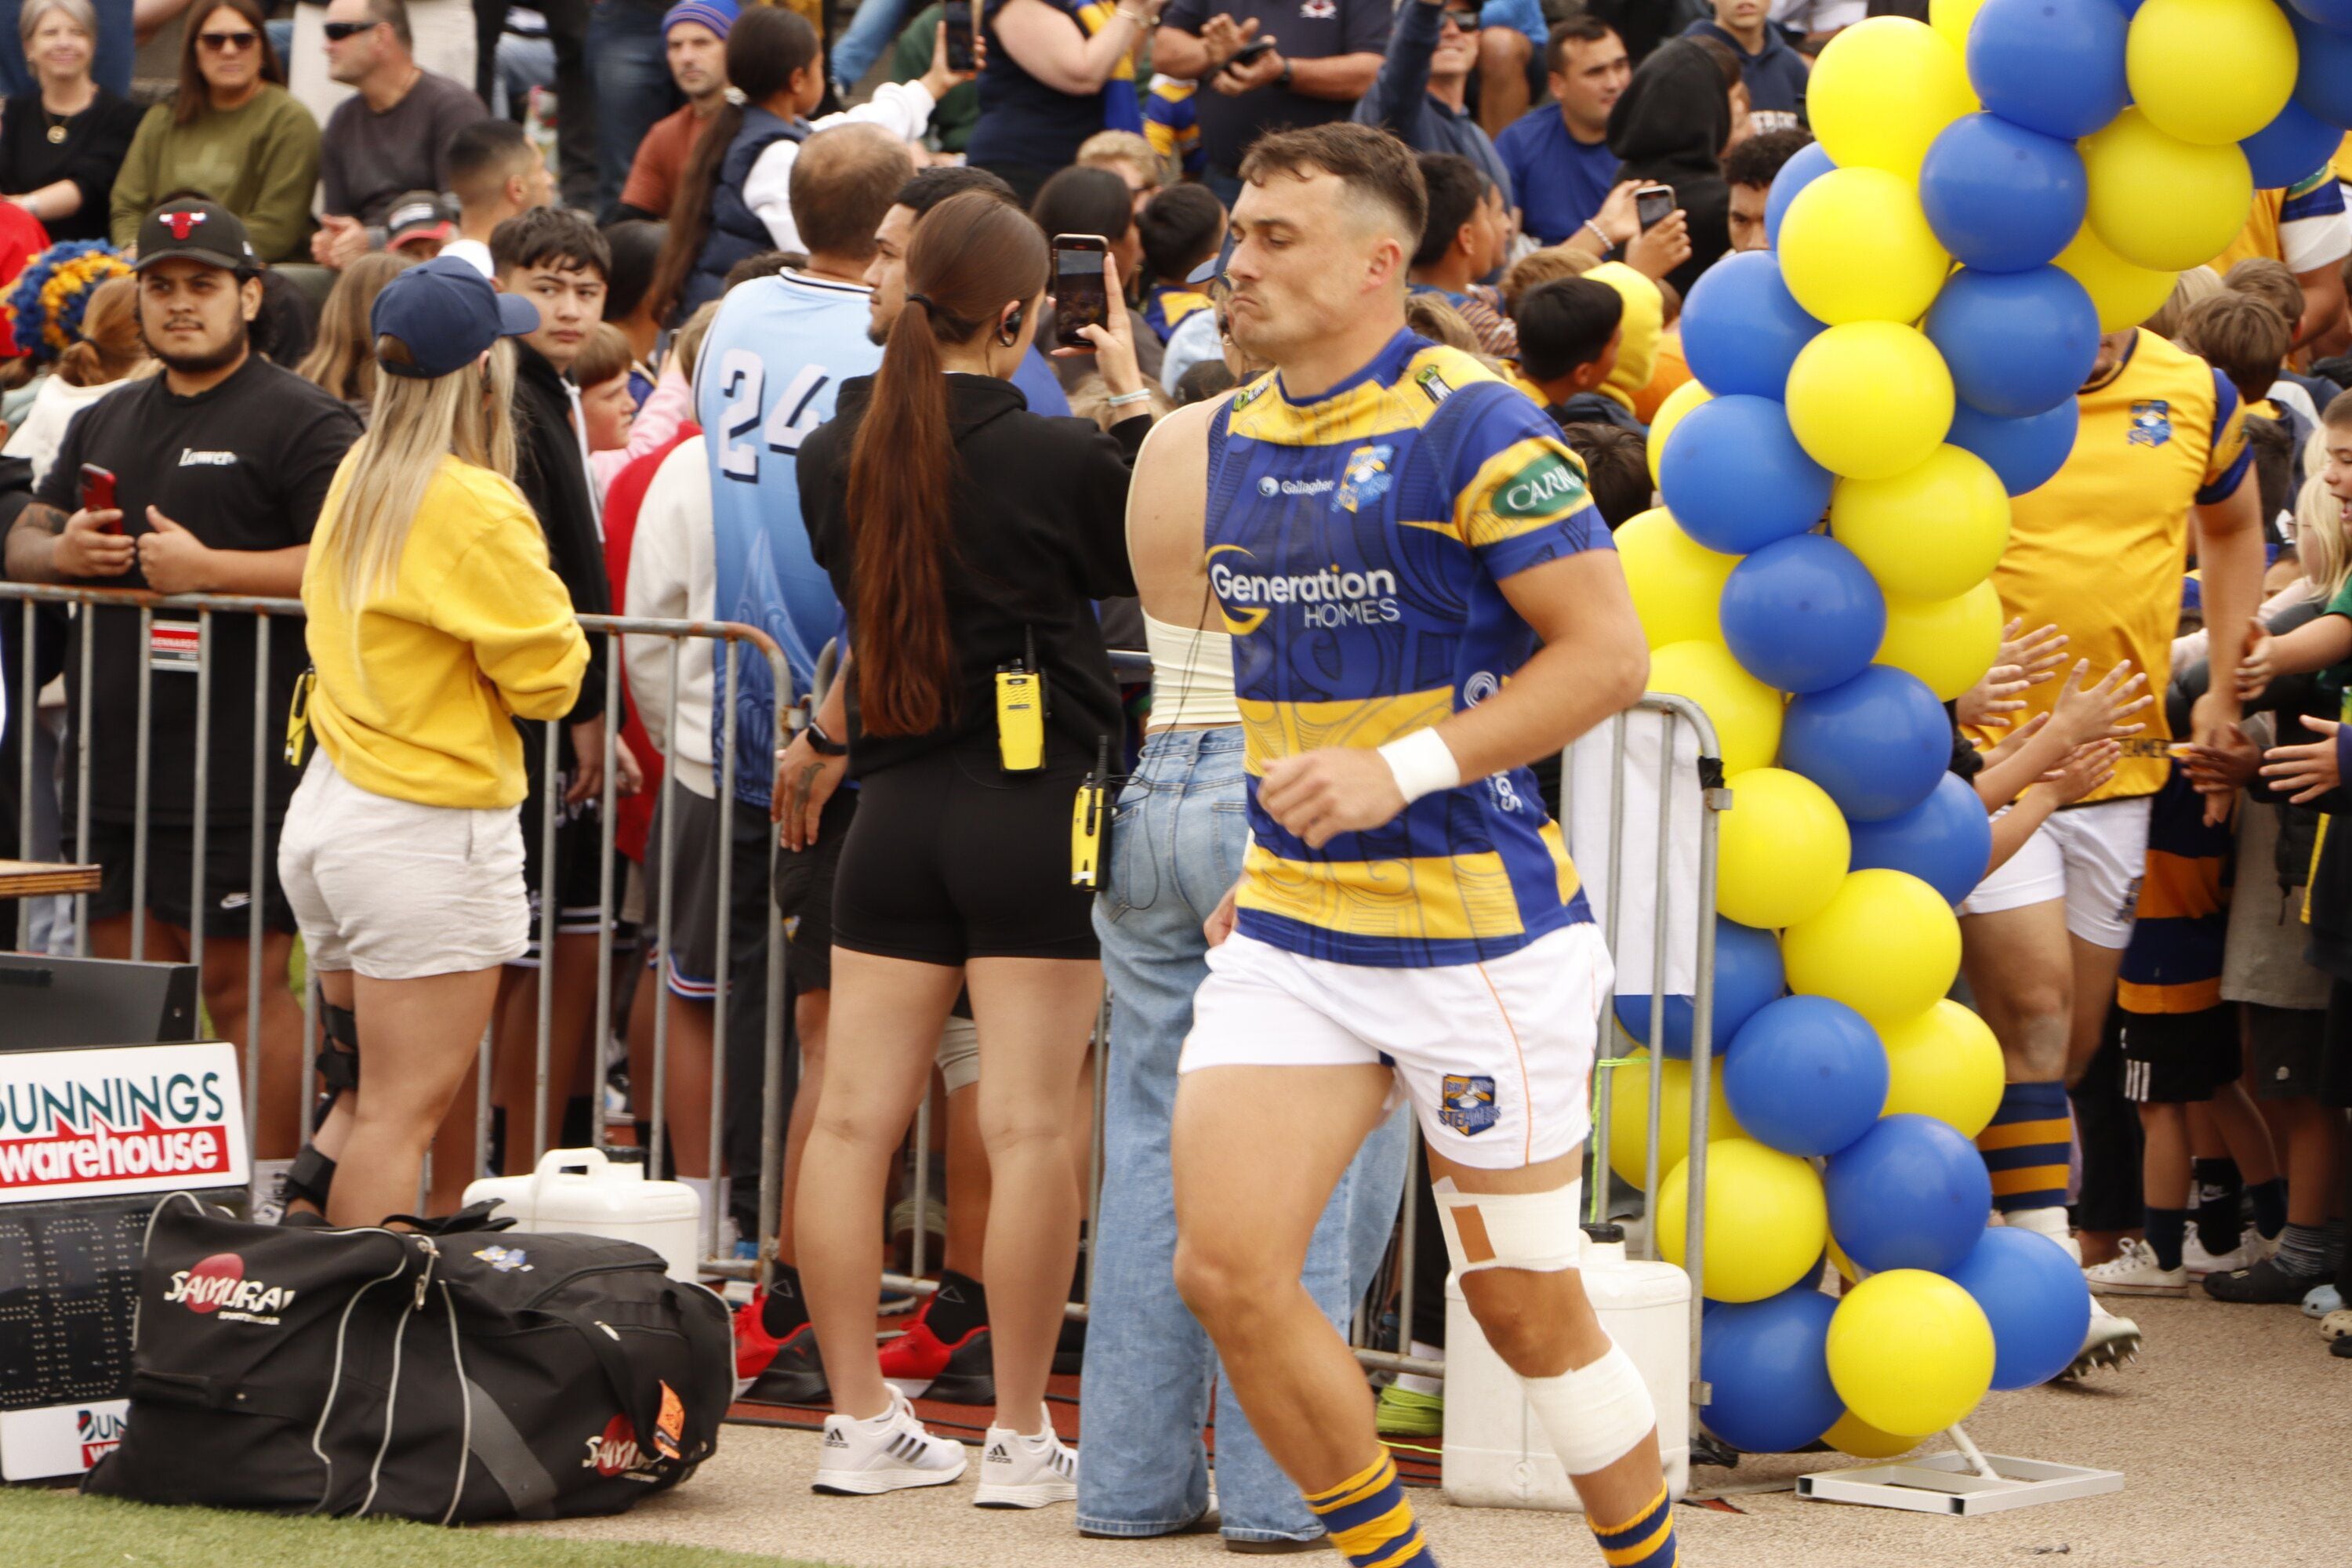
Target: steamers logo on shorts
[{"x": 1467, "y": 1103}]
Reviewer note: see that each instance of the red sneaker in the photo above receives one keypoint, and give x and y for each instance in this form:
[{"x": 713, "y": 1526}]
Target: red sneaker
[
  {"x": 921, "y": 1365},
  {"x": 754, "y": 1346},
  {"x": 768, "y": 1370}
]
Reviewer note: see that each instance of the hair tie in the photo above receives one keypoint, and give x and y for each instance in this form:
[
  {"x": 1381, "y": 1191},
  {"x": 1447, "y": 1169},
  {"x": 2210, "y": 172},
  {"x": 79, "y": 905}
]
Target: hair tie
[{"x": 922, "y": 299}]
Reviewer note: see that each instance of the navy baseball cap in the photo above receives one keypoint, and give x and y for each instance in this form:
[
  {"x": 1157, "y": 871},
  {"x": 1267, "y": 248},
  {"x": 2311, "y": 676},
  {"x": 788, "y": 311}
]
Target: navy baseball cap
[{"x": 447, "y": 314}]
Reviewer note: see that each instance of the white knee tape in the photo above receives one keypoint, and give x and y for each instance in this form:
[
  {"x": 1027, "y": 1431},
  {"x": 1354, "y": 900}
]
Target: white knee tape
[
  {"x": 1594, "y": 1415},
  {"x": 1535, "y": 1231}
]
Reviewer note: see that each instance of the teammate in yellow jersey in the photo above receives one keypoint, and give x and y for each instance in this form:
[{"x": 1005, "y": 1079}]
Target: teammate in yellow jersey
[
  {"x": 2098, "y": 552},
  {"x": 1422, "y": 600}
]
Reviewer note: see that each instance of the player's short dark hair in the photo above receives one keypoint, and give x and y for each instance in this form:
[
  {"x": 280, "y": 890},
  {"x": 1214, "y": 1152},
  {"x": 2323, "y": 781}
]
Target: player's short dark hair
[
  {"x": 929, "y": 187},
  {"x": 2242, "y": 336},
  {"x": 1565, "y": 323},
  {"x": 1584, "y": 27},
  {"x": 1759, "y": 160},
  {"x": 1455, "y": 187},
  {"x": 760, "y": 264},
  {"x": 1180, "y": 228},
  {"x": 1616, "y": 468},
  {"x": 484, "y": 153},
  {"x": 1083, "y": 199},
  {"x": 1373, "y": 165},
  {"x": 556, "y": 237}
]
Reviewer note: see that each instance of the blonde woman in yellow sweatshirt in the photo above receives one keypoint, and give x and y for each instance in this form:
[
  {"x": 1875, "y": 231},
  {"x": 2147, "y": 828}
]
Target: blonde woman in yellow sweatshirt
[{"x": 435, "y": 622}]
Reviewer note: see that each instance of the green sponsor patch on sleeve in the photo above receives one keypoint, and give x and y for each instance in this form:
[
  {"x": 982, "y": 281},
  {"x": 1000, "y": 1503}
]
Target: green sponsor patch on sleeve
[{"x": 1547, "y": 486}]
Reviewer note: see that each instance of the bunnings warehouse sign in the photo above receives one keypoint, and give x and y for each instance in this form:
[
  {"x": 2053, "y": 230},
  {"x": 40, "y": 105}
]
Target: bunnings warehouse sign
[{"x": 138, "y": 1119}]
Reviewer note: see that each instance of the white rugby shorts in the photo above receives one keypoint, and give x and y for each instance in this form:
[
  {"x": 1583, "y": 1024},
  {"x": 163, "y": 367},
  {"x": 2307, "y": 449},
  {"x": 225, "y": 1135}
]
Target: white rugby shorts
[
  {"x": 1496, "y": 1056},
  {"x": 2092, "y": 857}
]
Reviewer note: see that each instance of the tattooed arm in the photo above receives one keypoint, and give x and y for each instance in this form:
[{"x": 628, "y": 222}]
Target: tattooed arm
[{"x": 46, "y": 546}]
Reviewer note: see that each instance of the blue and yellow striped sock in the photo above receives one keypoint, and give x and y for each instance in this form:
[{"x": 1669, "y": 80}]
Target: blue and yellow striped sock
[
  {"x": 1371, "y": 1521},
  {"x": 2025, "y": 1147},
  {"x": 1644, "y": 1541}
]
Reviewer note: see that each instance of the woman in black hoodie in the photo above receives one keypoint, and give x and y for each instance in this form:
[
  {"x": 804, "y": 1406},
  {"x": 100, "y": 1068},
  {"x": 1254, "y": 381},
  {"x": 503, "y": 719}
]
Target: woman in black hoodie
[
  {"x": 1669, "y": 128},
  {"x": 966, "y": 537}
]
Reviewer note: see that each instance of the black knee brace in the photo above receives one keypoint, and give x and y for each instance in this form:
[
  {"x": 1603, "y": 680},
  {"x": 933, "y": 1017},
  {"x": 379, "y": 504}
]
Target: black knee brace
[{"x": 312, "y": 1174}]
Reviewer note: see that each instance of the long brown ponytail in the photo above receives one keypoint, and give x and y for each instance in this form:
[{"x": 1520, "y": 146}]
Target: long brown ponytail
[{"x": 972, "y": 255}]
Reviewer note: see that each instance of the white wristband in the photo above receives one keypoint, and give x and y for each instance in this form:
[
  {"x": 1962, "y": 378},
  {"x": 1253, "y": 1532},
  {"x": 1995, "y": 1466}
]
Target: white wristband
[{"x": 1423, "y": 765}]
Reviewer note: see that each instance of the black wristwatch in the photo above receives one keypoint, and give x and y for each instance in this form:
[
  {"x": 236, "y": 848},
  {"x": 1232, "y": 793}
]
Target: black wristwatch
[
  {"x": 1283, "y": 81},
  {"x": 821, "y": 743}
]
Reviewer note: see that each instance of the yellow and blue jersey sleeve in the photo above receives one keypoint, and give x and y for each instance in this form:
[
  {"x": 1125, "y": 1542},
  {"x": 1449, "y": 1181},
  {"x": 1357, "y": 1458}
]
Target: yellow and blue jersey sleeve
[
  {"x": 2231, "y": 455},
  {"x": 1171, "y": 123},
  {"x": 1526, "y": 503}
]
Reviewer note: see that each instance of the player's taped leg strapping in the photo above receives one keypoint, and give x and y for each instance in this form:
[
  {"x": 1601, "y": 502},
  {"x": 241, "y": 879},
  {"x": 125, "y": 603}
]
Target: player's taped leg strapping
[
  {"x": 1534, "y": 1231},
  {"x": 1594, "y": 1415},
  {"x": 312, "y": 1174}
]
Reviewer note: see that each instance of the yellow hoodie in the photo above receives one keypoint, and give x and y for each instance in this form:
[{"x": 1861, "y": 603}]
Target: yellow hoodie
[
  {"x": 416, "y": 696},
  {"x": 1637, "y": 349}
]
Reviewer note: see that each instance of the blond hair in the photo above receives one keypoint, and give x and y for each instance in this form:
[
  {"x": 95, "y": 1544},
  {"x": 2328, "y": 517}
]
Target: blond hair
[
  {"x": 2196, "y": 283},
  {"x": 110, "y": 346},
  {"x": 2320, "y": 546},
  {"x": 1544, "y": 267},
  {"x": 415, "y": 424},
  {"x": 686, "y": 348},
  {"x": 342, "y": 359},
  {"x": 604, "y": 355},
  {"x": 1440, "y": 323},
  {"x": 1107, "y": 149}
]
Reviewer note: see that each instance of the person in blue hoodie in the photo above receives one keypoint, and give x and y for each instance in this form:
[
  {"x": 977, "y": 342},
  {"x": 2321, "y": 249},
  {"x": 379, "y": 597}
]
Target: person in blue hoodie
[
  {"x": 1775, "y": 73},
  {"x": 1421, "y": 95}
]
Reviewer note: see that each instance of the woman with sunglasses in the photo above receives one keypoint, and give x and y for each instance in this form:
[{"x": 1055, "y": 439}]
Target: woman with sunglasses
[{"x": 232, "y": 134}]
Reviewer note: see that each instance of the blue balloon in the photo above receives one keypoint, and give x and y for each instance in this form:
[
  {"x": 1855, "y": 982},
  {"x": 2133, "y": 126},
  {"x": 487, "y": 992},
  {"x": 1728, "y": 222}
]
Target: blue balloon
[
  {"x": 2295, "y": 144},
  {"x": 2018, "y": 343},
  {"x": 2323, "y": 81},
  {"x": 2033, "y": 1295},
  {"x": 1802, "y": 614},
  {"x": 1806, "y": 1076},
  {"x": 1808, "y": 163},
  {"x": 1734, "y": 477},
  {"x": 1767, "y": 1363},
  {"x": 2051, "y": 65},
  {"x": 2327, "y": 14},
  {"x": 1946, "y": 840},
  {"x": 1909, "y": 1194},
  {"x": 2002, "y": 198},
  {"x": 1742, "y": 329},
  {"x": 1877, "y": 744},
  {"x": 1747, "y": 975},
  {"x": 2025, "y": 453}
]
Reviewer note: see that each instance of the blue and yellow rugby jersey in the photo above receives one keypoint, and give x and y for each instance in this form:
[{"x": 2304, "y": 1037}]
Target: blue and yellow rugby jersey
[
  {"x": 2173, "y": 963},
  {"x": 1354, "y": 545},
  {"x": 1171, "y": 123},
  {"x": 2098, "y": 551},
  {"x": 1168, "y": 304}
]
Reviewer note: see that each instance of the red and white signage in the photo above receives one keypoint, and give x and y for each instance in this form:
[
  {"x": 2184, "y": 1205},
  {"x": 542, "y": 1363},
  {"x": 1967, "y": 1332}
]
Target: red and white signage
[
  {"x": 58, "y": 1440},
  {"x": 138, "y": 1119}
]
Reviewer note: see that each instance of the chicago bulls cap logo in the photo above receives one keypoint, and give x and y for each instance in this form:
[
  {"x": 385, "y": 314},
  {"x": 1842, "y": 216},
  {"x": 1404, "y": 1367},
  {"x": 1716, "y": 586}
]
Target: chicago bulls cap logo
[{"x": 181, "y": 224}]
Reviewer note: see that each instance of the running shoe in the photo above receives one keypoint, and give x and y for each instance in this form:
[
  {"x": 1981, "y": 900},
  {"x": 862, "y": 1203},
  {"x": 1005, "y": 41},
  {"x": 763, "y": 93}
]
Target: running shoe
[
  {"x": 2265, "y": 1283},
  {"x": 2110, "y": 1342},
  {"x": 2134, "y": 1271},
  {"x": 2251, "y": 1249},
  {"x": 772, "y": 1370},
  {"x": 918, "y": 1365},
  {"x": 1025, "y": 1472},
  {"x": 1403, "y": 1413},
  {"x": 887, "y": 1453},
  {"x": 2323, "y": 1300}
]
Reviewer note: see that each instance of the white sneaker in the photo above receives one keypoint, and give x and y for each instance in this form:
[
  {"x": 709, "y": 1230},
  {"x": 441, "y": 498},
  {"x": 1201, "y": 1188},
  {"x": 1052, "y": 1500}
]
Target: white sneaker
[
  {"x": 1026, "y": 1472},
  {"x": 2198, "y": 1262},
  {"x": 884, "y": 1454},
  {"x": 2110, "y": 1342},
  {"x": 2134, "y": 1271}
]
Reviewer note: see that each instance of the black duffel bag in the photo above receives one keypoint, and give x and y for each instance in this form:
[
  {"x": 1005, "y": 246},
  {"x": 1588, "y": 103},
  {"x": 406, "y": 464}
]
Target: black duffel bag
[{"x": 449, "y": 1375}]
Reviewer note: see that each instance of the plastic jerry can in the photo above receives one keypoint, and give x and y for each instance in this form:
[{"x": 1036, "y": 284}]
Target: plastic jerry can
[
  {"x": 582, "y": 1192},
  {"x": 1495, "y": 1453}
]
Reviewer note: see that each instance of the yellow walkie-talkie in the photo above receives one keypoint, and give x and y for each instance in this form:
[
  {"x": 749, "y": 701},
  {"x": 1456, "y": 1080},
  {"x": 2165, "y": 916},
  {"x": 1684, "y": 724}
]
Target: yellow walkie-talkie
[
  {"x": 1090, "y": 822},
  {"x": 297, "y": 717},
  {"x": 1020, "y": 713}
]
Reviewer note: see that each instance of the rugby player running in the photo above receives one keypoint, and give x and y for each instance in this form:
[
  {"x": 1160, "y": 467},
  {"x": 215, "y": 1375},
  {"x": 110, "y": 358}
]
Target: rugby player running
[{"x": 1394, "y": 534}]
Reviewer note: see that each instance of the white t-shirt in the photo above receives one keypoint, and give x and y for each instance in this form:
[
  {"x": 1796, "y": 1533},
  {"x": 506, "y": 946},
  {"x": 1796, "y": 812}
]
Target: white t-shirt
[
  {"x": 901, "y": 108},
  {"x": 474, "y": 253}
]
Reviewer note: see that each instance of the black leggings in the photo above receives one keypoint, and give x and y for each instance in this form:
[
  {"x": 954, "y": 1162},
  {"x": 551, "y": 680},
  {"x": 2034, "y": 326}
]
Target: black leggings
[{"x": 950, "y": 859}]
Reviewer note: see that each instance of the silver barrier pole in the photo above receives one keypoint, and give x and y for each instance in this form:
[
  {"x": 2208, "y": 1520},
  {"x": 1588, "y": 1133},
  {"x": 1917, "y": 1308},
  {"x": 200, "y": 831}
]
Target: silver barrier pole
[
  {"x": 609, "y": 827},
  {"x": 201, "y": 829},
  {"x": 139, "y": 784},
  {"x": 922, "y": 1253},
  {"x": 1663, "y": 900},
  {"x": 88, "y": 615},
  {"x": 715, "y": 1150},
  {"x": 1596, "y": 1203},
  {"x": 658, "y": 1110},
  {"x": 25, "y": 694},
  {"x": 254, "y": 880},
  {"x": 1409, "y": 1241},
  {"x": 548, "y": 911}
]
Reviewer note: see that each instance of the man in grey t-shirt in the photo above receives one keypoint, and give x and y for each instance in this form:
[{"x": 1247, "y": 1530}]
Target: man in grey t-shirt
[{"x": 392, "y": 136}]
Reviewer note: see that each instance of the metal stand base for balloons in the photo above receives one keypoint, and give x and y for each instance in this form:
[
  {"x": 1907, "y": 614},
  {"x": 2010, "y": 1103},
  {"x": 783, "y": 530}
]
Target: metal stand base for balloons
[{"x": 1966, "y": 1481}]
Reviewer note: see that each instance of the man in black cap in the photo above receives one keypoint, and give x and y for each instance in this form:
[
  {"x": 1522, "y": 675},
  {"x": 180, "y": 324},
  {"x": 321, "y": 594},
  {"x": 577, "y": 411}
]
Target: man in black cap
[{"x": 218, "y": 467}]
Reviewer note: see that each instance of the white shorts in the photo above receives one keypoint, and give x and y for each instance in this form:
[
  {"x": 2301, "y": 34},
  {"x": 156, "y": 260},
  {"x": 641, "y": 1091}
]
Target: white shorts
[
  {"x": 1497, "y": 1057},
  {"x": 398, "y": 890},
  {"x": 2092, "y": 857}
]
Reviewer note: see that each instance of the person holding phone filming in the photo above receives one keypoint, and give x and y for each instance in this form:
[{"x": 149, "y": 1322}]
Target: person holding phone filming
[
  {"x": 1422, "y": 94},
  {"x": 966, "y": 537}
]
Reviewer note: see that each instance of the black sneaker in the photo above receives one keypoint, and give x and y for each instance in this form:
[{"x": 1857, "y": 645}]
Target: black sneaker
[
  {"x": 796, "y": 1375},
  {"x": 2265, "y": 1282},
  {"x": 970, "y": 1376}
]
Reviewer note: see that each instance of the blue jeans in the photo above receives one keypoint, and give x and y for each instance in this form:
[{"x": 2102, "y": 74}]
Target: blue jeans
[
  {"x": 628, "y": 61},
  {"x": 871, "y": 31},
  {"x": 1176, "y": 846}
]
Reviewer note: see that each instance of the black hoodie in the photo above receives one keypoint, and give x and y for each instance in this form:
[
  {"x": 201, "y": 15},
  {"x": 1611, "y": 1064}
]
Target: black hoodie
[
  {"x": 1669, "y": 129},
  {"x": 553, "y": 477}
]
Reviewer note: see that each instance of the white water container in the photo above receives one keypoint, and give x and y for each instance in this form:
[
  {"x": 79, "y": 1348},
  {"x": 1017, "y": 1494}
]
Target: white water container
[
  {"x": 582, "y": 1193},
  {"x": 1496, "y": 1453}
]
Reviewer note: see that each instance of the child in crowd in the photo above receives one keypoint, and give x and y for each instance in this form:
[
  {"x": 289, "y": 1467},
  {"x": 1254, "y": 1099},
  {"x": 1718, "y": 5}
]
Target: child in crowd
[
  {"x": 1570, "y": 331},
  {"x": 1616, "y": 468},
  {"x": 1182, "y": 227},
  {"x": 606, "y": 409}
]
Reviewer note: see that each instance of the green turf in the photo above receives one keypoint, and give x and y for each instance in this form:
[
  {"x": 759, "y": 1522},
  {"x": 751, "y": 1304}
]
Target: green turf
[{"x": 61, "y": 1529}]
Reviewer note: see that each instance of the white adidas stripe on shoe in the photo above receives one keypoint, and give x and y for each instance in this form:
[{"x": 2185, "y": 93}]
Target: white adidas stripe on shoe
[
  {"x": 1016, "y": 1471},
  {"x": 887, "y": 1453}
]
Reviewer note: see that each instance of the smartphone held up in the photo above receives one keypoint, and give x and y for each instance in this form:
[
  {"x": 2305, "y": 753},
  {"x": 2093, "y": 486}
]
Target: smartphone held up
[{"x": 1081, "y": 296}]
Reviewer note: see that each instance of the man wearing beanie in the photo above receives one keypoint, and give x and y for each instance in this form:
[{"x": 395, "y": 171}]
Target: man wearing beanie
[{"x": 695, "y": 34}]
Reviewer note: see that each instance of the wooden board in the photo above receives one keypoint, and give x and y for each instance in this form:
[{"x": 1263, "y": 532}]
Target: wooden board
[{"x": 29, "y": 879}]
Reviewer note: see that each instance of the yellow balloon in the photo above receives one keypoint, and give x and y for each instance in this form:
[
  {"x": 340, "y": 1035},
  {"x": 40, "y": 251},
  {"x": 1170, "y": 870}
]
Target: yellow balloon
[
  {"x": 2125, "y": 293},
  {"x": 1676, "y": 581},
  {"x": 1679, "y": 402},
  {"x": 1745, "y": 712},
  {"x": 1948, "y": 643},
  {"x": 2210, "y": 71},
  {"x": 1909, "y": 1351},
  {"x": 1854, "y": 1435},
  {"x": 1943, "y": 1063},
  {"x": 1855, "y": 247},
  {"x": 1870, "y": 399},
  {"x": 1885, "y": 944},
  {"x": 1932, "y": 530},
  {"x": 1767, "y": 1219},
  {"x": 1882, "y": 90},
  {"x": 1629, "y": 1115},
  {"x": 1953, "y": 19},
  {"x": 1782, "y": 851},
  {"x": 2159, "y": 202}
]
